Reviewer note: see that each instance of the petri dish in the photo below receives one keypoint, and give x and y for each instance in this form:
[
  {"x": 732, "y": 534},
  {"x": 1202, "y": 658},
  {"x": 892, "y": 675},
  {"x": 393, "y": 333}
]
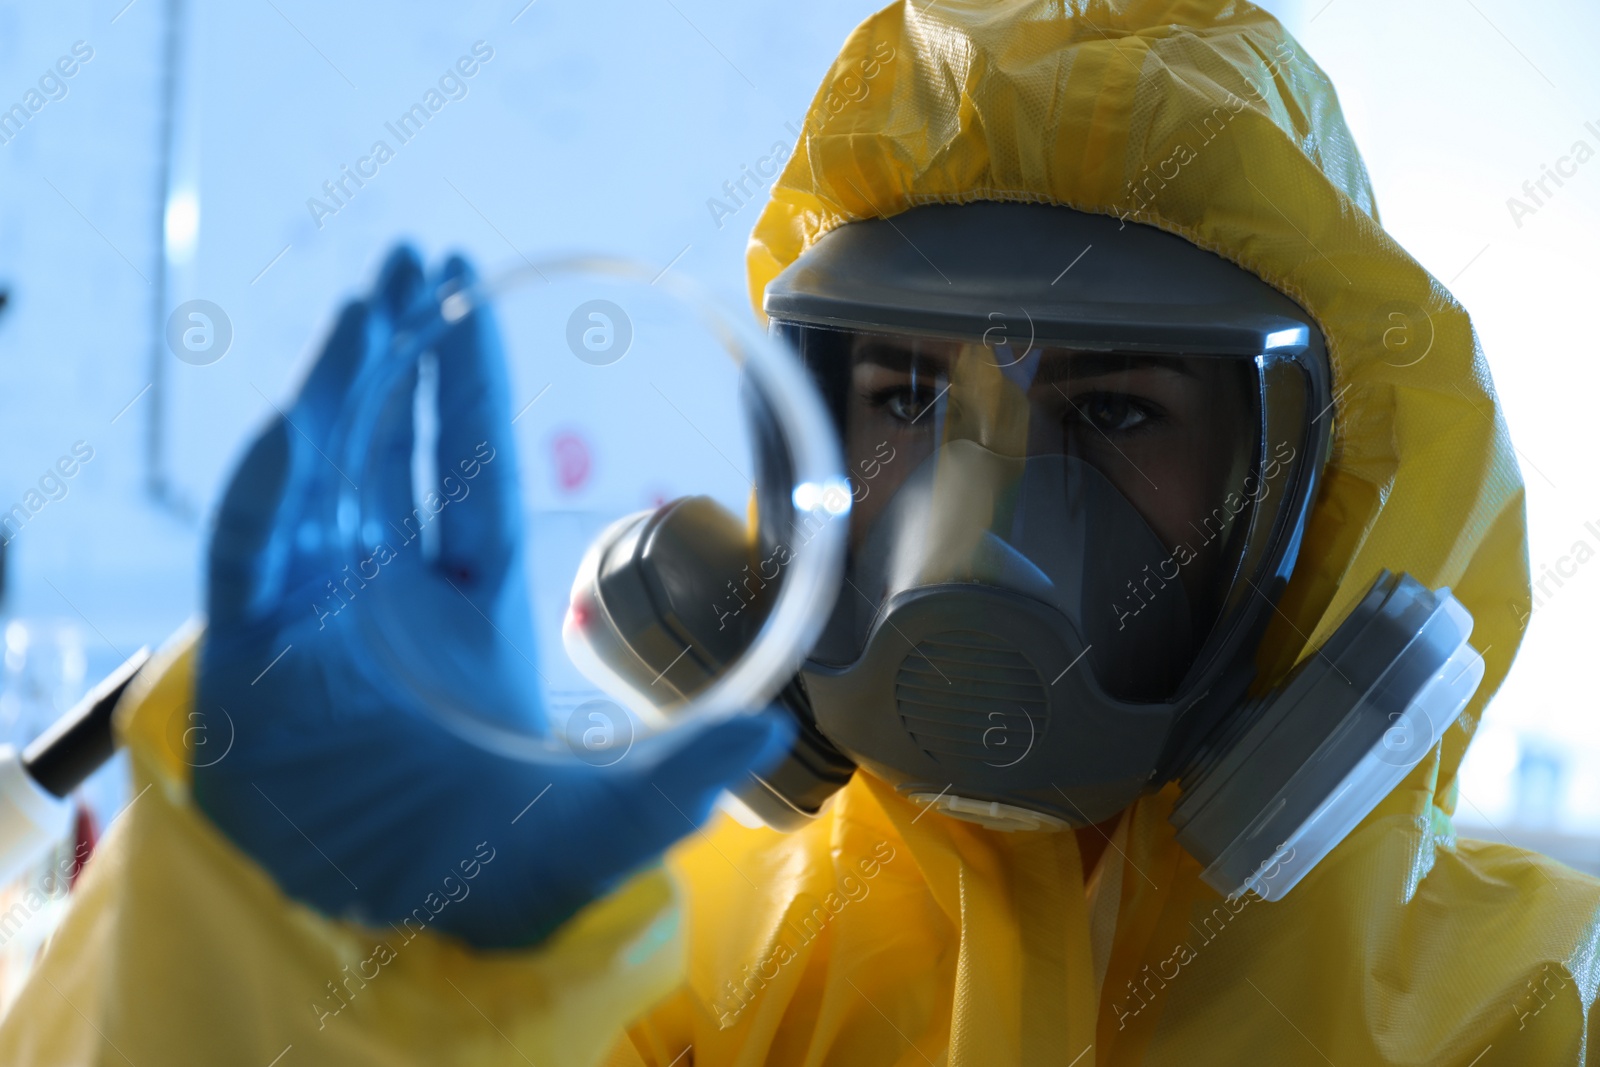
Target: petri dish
[{"x": 632, "y": 504}]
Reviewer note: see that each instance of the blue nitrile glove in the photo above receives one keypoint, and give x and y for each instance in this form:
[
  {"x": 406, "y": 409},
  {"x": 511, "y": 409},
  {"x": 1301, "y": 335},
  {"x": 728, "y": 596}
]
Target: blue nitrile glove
[{"x": 358, "y": 801}]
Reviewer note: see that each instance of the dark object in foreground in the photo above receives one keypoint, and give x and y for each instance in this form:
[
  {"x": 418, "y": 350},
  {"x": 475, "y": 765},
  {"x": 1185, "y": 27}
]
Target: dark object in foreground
[{"x": 80, "y": 742}]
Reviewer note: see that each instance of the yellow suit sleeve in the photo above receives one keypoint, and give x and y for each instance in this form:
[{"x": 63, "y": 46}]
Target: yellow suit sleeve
[{"x": 178, "y": 949}]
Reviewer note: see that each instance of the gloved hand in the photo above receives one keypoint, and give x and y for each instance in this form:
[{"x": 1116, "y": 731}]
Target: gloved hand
[{"x": 355, "y": 798}]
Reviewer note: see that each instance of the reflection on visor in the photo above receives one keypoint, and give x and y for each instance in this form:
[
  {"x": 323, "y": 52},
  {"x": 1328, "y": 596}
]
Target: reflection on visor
[{"x": 1121, "y": 489}]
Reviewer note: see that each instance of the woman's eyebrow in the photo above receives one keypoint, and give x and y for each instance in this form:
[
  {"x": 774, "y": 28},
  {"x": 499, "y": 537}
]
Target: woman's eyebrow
[
  {"x": 1060, "y": 366},
  {"x": 1054, "y": 364},
  {"x": 901, "y": 358}
]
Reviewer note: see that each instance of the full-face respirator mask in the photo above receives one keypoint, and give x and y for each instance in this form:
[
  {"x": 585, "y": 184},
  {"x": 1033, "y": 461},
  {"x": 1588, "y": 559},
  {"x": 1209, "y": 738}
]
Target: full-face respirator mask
[{"x": 1082, "y": 454}]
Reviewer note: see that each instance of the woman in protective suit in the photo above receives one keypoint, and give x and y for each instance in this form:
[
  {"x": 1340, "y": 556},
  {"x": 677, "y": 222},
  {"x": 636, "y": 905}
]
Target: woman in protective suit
[{"x": 1190, "y": 454}]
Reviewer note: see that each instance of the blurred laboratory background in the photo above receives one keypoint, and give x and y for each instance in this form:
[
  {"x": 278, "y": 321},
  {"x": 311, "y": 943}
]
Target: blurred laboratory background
[{"x": 179, "y": 156}]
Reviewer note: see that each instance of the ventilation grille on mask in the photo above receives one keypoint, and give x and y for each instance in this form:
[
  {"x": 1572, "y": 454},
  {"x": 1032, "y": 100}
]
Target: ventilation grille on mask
[{"x": 964, "y": 695}]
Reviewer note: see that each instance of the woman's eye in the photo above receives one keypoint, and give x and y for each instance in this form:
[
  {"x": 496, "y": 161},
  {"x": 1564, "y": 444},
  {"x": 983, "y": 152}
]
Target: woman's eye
[
  {"x": 1113, "y": 412},
  {"x": 905, "y": 405}
]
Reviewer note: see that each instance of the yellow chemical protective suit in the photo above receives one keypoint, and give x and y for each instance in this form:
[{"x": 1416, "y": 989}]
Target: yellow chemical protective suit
[{"x": 882, "y": 934}]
